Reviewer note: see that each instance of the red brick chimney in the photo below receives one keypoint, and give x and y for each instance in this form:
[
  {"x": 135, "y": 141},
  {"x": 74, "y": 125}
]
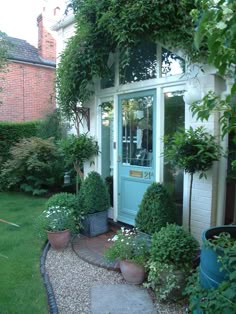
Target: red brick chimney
[{"x": 46, "y": 40}]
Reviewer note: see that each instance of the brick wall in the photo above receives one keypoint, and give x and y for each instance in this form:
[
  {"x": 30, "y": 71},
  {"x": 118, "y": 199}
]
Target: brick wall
[{"x": 28, "y": 92}]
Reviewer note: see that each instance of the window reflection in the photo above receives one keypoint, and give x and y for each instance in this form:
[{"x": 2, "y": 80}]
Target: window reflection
[
  {"x": 137, "y": 131},
  {"x": 171, "y": 63},
  {"x": 107, "y": 138},
  {"x": 174, "y": 119},
  {"x": 142, "y": 63}
]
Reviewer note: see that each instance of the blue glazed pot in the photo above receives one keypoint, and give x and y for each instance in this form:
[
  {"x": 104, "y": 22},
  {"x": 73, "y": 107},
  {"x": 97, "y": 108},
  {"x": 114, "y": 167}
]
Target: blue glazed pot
[{"x": 210, "y": 274}]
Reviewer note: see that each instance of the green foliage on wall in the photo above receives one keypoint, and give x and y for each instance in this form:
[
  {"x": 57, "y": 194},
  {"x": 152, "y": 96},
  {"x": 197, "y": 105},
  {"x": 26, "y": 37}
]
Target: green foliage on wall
[
  {"x": 12, "y": 132},
  {"x": 216, "y": 30},
  {"x": 107, "y": 26}
]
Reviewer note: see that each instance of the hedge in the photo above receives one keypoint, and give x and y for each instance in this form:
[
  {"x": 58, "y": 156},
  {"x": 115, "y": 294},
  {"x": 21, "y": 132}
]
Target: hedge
[{"x": 12, "y": 132}]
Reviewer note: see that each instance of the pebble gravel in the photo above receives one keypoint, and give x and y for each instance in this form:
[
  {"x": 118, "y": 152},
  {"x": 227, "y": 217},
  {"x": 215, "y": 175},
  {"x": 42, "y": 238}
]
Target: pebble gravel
[{"x": 72, "y": 278}]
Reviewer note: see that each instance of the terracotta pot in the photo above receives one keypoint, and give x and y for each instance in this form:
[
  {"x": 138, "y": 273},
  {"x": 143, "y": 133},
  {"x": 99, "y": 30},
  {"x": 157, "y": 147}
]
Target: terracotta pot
[
  {"x": 132, "y": 272},
  {"x": 59, "y": 239}
]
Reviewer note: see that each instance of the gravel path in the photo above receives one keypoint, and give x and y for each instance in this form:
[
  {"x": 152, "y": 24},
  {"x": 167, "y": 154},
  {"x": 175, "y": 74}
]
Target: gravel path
[{"x": 72, "y": 278}]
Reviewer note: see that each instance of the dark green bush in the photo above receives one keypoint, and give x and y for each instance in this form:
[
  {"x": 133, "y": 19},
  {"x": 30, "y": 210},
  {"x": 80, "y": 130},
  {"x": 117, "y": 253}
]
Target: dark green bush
[
  {"x": 156, "y": 209},
  {"x": 35, "y": 166},
  {"x": 93, "y": 194},
  {"x": 12, "y": 132}
]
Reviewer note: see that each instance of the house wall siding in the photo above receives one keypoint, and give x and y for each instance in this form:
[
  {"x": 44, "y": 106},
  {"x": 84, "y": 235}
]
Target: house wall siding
[{"x": 28, "y": 92}]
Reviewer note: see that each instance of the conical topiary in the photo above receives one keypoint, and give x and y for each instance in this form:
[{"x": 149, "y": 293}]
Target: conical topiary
[
  {"x": 93, "y": 194},
  {"x": 156, "y": 209}
]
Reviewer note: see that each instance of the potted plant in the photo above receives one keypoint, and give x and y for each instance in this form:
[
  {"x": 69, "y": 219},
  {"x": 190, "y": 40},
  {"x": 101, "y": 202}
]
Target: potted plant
[
  {"x": 57, "y": 222},
  {"x": 194, "y": 151},
  {"x": 171, "y": 259},
  {"x": 212, "y": 288},
  {"x": 131, "y": 251},
  {"x": 70, "y": 202},
  {"x": 216, "y": 242},
  {"x": 60, "y": 218},
  {"x": 94, "y": 202},
  {"x": 156, "y": 209}
]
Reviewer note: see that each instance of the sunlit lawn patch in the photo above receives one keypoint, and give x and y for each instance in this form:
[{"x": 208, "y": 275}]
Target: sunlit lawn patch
[{"x": 21, "y": 288}]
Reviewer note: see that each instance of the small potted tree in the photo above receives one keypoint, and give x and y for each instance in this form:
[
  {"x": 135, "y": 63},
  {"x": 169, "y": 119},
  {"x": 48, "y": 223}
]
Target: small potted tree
[
  {"x": 94, "y": 202},
  {"x": 76, "y": 150},
  {"x": 194, "y": 151}
]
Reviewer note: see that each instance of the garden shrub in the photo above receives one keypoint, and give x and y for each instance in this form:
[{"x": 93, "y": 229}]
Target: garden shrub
[
  {"x": 35, "y": 166},
  {"x": 156, "y": 209},
  {"x": 12, "y": 132},
  {"x": 93, "y": 194},
  {"x": 171, "y": 259}
]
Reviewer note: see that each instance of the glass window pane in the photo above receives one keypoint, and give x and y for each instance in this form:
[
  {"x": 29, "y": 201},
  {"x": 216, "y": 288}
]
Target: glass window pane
[
  {"x": 137, "y": 131},
  {"x": 107, "y": 138},
  {"x": 171, "y": 63},
  {"x": 174, "y": 118},
  {"x": 142, "y": 65},
  {"x": 109, "y": 80}
]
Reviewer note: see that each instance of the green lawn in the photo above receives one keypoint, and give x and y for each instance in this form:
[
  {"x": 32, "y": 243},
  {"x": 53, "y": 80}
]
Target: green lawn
[{"x": 21, "y": 286}]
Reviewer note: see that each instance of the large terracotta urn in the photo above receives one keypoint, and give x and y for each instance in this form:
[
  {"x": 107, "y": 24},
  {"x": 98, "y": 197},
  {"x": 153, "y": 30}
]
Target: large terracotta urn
[
  {"x": 59, "y": 239},
  {"x": 132, "y": 272}
]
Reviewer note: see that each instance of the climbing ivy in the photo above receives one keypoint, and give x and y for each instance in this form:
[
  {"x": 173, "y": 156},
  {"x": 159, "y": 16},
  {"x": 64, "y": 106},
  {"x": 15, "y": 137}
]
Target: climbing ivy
[{"x": 105, "y": 26}]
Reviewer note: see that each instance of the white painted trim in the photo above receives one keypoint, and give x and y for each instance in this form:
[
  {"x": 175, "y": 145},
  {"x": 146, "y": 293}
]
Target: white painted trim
[{"x": 115, "y": 157}]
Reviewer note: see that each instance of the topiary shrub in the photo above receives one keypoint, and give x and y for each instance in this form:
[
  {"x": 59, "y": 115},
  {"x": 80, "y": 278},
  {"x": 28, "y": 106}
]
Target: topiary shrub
[
  {"x": 171, "y": 259},
  {"x": 156, "y": 209},
  {"x": 93, "y": 194}
]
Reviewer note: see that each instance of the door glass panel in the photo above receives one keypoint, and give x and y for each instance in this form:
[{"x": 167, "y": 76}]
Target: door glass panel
[
  {"x": 171, "y": 63},
  {"x": 137, "y": 122},
  {"x": 174, "y": 118}
]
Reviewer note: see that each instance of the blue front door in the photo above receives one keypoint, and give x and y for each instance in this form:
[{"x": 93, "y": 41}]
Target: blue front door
[{"x": 136, "y": 150}]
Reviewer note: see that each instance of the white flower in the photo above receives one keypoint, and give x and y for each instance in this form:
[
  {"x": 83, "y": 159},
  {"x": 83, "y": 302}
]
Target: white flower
[
  {"x": 221, "y": 25},
  {"x": 115, "y": 238}
]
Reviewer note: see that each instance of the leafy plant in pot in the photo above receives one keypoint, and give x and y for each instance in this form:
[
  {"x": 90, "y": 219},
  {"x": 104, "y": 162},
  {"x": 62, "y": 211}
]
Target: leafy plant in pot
[
  {"x": 57, "y": 222},
  {"x": 70, "y": 202},
  {"x": 212, "y": 288},
  {"x": 59, "y": 219},
  {"x": 171, "y": 259},
  {"x": 94, "y": 202},
  {"x": 132, "y": 252}
]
